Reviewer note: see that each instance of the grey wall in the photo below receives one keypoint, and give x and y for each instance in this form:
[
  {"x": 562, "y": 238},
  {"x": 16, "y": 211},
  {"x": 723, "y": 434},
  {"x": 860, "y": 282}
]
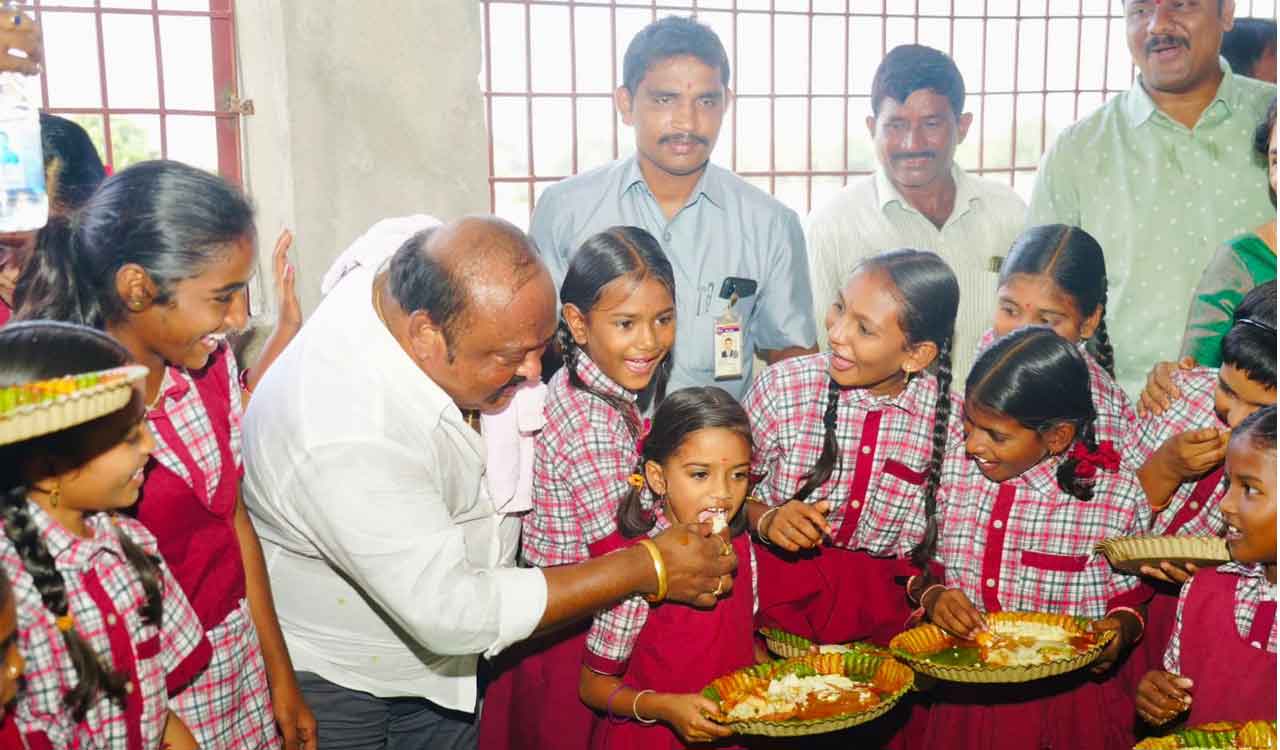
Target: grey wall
[{"x": 362, "y": 111}]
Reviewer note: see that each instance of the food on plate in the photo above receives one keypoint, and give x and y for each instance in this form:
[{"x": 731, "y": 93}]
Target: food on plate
[
  {"x": 1252, "y": 735},
  {"x": 1012, "y": 639},
  {"x": 798, "y": 690}
]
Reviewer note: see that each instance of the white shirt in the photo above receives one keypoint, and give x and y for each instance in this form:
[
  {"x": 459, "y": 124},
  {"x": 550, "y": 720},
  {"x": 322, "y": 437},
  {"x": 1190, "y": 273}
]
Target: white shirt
[
  {"x": 390, "y": 568},
  {"x": 870, "y": 216}
]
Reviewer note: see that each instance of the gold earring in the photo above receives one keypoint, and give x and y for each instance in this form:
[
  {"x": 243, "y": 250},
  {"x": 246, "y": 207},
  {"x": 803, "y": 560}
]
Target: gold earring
[{"x": 55, "y": 495}]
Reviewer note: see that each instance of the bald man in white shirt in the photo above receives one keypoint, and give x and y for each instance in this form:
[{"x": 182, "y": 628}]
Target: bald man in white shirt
[{"x": 391, "y": 569}]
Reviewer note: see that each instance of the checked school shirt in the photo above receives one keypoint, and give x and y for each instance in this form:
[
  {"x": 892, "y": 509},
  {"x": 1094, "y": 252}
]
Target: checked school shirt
[
  {"x": 1253, "y": 590},
  {"x": 581, "y": 462},
  {"x": 1026, "y": 545},
  {"x": 105, "y": 598},
  {"x": 884, "y": 446},
  {"x": 1116, "y": 417},
  {"x": 614, "y": 632},
  {"x": 1194, "y": 508}
]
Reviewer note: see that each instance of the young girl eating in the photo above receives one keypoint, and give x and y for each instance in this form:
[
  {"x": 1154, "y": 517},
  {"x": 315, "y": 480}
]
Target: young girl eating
[
  {"x": 644, "y": 666},
  {"x": 1023, "y": 503},
  {"x": 850, "y": 444},
  {"x": 1055, "y": 275},
  {"x": 1221, "y": 659},
  {"x": 160, "y": 258},
  {"x": 616, "y": 331},
  {"x": 106, "y": 631}
]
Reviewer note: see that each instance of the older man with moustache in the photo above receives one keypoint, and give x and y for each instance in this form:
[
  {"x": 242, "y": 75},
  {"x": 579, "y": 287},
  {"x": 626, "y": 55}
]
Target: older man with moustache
[
  {"x": 1161, "y": 174},
  {"x": 391, "y": 569}
]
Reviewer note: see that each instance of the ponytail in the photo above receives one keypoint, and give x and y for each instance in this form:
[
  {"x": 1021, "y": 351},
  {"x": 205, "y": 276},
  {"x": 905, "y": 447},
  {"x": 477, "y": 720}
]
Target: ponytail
[
  {"x": 924, "y": 551},
  {"x": 49, "y": 286}
]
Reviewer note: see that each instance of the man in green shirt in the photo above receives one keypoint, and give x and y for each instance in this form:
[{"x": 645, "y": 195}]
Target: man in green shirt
[{"x": 1161, "y": 174}]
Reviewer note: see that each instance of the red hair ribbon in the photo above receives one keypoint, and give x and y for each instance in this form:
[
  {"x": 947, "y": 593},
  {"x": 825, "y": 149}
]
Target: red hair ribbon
[{"x": 1088, "y": 462}]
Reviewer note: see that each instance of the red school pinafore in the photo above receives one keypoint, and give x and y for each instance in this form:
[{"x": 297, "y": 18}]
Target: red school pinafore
[
  {"x": 193, "y": 519},
  {"x": 1234, "y": 676},
  {"x": 681, "y": 649}
]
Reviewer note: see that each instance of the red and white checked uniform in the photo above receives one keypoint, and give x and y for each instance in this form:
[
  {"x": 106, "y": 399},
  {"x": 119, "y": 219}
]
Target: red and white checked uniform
[
  {"x": 614, "y": 631},
  {"x": 877, "y": 486},
  {"x": 1025, "y": 545},
  {"x": 1116, "y": 417},
  {"x": 581, "y": 462},
  {"x": 229, "y": 706},
  {"x": 105, "y": 598},
  {"x": 1194, "y": 508},
  {"x": 1252, "y": 591}
]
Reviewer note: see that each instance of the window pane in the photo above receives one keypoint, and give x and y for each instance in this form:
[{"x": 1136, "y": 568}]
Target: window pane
[
  {"x": 511, "y": 202},
  {"x": 134, "y": 138},
  {"x": 595, "y": 132},
  {"x": 187, "y": 46},
  {"x": 193, "y": 139},
  {"x": 594, "y": 73},
  {"x": 133, "y": 4},
  {"x": 71, "y": 60},
  {"x": 789, "y": 120},
  {"x": 550, "y": 35},
  {"x": 754, "y": 135},
  {"x": 553, "y": 137},
  {"x": 506, "y": 47},
  {"x": 202, "y": 5},
  {"x": 92, "y": 125},
  {"x": 130, "y": 48},
  {"x": 510, "y": 137}
]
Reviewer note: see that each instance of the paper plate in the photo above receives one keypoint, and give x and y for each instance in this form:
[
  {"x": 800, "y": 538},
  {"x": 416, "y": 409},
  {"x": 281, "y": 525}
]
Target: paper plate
[
  {"x": 789, "y": 645},
  {"x": 894, "y": 678},
  {"x": 915, "y": 646},
  {"x": 1253, "y": 735},
  {"x": 1130, "y": 553},
  {"x": 33, "y": 409}
]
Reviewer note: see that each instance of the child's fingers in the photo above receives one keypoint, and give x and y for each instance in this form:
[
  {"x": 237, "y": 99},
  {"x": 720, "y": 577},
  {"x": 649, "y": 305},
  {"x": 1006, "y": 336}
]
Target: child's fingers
[
  {"x": 280, "y": 255},
  {"x": 1154, "y": 572},
  {"x": 1176, "y": 574}
]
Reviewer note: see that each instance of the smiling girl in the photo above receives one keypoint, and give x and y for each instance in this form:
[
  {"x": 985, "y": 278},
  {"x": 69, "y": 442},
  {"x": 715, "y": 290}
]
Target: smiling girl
[
  {"x": 615, "y": 334},
  {"x": 160, "y": 258},
  {"x": 646, "y": 665},
  {"x": 106, "y": 631},
  {"x": 1024, "y": 501},
  {"x": 1221, "y": 659}
]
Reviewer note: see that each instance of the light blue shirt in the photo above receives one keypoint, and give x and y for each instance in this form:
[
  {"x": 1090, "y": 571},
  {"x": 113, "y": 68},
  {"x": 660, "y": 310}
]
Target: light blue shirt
[{"x": 726, "y": 228}]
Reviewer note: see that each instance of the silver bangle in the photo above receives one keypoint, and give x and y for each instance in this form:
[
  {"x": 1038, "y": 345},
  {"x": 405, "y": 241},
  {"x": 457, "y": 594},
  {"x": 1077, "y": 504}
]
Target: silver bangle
[
  {"x": 634, "y": 712},
  {"x": 760, "y": 524}
]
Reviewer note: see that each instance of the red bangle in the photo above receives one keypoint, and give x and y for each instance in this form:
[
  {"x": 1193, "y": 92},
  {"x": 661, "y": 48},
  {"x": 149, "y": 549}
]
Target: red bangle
[{"x": 1142, "y": 621}]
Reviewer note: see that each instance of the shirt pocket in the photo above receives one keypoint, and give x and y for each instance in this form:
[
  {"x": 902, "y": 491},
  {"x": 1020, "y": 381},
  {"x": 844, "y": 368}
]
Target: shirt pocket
[{"x": 1056, "y": 581}]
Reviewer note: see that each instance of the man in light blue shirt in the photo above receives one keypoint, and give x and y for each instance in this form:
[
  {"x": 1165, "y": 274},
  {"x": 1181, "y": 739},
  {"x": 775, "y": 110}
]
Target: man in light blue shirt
[{"x": 712, "y": 224}]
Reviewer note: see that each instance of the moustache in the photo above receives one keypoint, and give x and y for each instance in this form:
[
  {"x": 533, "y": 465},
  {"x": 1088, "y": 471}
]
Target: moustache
[
  {"x": 683, "y": 138},
  {"x": 512, "y": 383},
  {"x": 1166, "y": 41},
  {"x": 914, "y": 155}
]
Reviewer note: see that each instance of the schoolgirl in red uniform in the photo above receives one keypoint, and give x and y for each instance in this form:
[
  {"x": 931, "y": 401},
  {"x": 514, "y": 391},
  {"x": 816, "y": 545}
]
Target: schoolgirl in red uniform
[
  {"x": 1023, "y": 503},
  {"x": 616, "y": 331},
  {"x": 160, "y": 258},
  {"x": 1055, "y": 275},
  {"x": 645, "y": 665},
  {"x": 106, "y": 632},
  {"x": 1220, "y": 664}
]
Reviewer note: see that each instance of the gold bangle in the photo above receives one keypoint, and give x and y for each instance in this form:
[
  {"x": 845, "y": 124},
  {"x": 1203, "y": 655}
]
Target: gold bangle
[{"x": 659, "y": 567}]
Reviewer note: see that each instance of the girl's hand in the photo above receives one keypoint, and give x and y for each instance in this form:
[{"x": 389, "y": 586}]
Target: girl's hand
[
  {"x": 687, "y": 714},
  {"x": 1160, "y": 390},
  {"x": 1162, "y": 696},
  {"x": 1192, "y": 454},
  {"x": 1127, "y": 629},
  {"x": 297, "y": 723},
  {"x": 952, "y": 611},
  {"x": 1170, "y": 573},
  {"x": 290, "y": 316},
  {"x": 798, "y": 525}
]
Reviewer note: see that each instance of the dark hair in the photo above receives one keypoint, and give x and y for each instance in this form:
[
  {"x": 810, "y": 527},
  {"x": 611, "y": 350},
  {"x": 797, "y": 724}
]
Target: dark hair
[
  {"x": 1073, "y": 260},
  {"x": 911, "y": 67},
  {"x": 40, "y": 350},
  {"x": 673, "y": 36},
  {"x": 1262, "y": 139},
  {"x": 1246, "y": 42},
  {"x": 171, "y": 219},
  {"x": 616, "y": 253},
  {"x": 678, "y": 416},
  {"x": 1250, "y": 343},
  {"x": 1259, "y": 427},
  {"x": 72, "y": 167},
  {"x": 928, "y": 297},
  {"x": 1039, "y": 379}
]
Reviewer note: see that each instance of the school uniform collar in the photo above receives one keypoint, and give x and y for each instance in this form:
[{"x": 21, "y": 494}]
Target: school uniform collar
[
  {"x": 1139, "y": 107},
  {"x": 709, "y": 184},
  {"x": 916, "y": 398},
  {"x": 594, "y": 378},
  {"x": 68, "y": 549},
  {"x": 1043, "y": 477},
  {"x": 1250, "y": 570}
]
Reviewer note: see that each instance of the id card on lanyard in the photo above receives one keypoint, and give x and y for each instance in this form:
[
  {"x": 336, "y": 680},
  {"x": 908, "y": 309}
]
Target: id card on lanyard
[{"x": 727, "y": 330}]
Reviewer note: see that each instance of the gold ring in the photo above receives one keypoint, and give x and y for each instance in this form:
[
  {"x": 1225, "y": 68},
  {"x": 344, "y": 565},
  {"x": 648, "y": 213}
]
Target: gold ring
[
  {"x": 719, "y": 586},
  {"x": 726, "y": 549}
]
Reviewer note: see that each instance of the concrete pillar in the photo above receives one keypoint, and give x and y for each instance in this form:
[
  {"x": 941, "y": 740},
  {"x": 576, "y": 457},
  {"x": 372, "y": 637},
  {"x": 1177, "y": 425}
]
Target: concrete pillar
[{"x": 362, "y": 111}]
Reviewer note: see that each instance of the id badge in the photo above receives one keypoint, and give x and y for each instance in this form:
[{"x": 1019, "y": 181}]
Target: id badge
[{"x": 727, "y": 343}]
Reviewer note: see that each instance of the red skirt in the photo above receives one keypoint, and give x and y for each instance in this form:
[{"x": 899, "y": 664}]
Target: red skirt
[
  {"x": 532, "y": 703},
  {"x": 1070, "y": 712}
]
